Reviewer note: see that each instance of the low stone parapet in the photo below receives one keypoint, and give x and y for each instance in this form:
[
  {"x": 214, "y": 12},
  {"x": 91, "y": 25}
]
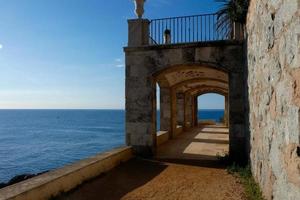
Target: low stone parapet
[
  {"x": 162, "y": 137},
  {"x": 206, "y": 122},
  {"x": 178, "y": 130},
  {"x": 66, "y": 178}
]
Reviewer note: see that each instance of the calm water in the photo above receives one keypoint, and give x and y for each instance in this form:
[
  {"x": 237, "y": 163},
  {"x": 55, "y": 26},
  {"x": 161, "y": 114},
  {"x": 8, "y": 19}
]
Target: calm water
[
  {"x": 211, "y": 114},
  {"x": 32, "y": 141}
]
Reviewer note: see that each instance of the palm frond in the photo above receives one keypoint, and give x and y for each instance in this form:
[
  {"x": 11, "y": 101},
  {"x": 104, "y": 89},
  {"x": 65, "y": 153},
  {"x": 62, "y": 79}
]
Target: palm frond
[{"x": 231, "y": 11}]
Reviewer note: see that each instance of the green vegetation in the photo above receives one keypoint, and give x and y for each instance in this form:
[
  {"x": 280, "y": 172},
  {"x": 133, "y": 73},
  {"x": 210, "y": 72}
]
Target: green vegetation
[
  {"x": 252, "y": 189},
  {"x": 234, "y": 10},
  {"x": 231, "y": 11}
]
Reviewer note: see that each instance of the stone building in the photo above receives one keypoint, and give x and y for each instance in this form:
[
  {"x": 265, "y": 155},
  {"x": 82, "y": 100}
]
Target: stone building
[
  {"x": 183, "y": 72},
  {"x": 258, "y": 73}
]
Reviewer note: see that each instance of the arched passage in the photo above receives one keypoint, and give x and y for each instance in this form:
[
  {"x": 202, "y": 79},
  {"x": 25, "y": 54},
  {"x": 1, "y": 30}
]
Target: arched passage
[
  {"x": 183, "y": 86},
  {"x": 181, "y": 72},
  {"x": 179, "y": 87}
]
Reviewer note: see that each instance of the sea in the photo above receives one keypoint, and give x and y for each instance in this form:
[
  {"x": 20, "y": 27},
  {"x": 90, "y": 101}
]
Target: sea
[{"x": 34, "y": 141}]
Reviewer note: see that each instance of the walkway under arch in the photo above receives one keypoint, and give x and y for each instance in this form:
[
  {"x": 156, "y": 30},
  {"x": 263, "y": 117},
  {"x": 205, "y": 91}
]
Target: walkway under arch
[
  {"x": 182, "y": 72},
  {"x": 204, "y": 144},
  {"x": 179, "y": 86}
]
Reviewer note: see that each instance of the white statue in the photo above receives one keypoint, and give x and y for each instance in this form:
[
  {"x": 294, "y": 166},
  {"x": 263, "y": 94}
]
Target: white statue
[{"x": 139, "y": 8}]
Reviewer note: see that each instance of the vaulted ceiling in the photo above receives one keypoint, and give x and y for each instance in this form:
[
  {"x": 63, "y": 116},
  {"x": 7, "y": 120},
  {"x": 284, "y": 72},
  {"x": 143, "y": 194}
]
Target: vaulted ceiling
[{"x": 194, "y": 80}]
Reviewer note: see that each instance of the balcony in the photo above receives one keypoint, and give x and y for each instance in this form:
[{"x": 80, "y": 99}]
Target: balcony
[{"x": 183, "y": 30}]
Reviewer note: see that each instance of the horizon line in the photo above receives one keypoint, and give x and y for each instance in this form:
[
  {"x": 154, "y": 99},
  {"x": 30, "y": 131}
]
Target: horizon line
[{"x": 87, "y": 109}]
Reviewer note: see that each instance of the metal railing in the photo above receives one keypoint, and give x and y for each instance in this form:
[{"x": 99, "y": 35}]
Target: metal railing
[{"x": 187, "y": 29}]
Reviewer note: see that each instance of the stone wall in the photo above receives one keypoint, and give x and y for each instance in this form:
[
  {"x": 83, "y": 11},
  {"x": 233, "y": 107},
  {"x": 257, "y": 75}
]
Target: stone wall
[
  {"x": 180, "y": 109},
  {"x": 273, "y": 28}
]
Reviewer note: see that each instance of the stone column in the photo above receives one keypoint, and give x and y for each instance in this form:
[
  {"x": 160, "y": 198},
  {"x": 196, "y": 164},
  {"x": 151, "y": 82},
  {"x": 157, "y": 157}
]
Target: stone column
[
  {"x": 138, "y": 32},
  {"x": 173, "y": 113},
  {"x": 195, "y": 111},
  {"x": 188, "y": 112},
  {"x": 180, "y": 108},
  {"x": 165, "y": 109},
  {"x": 226, "y": 112},
  {"x": 237, "y": 136},
  {"x": 140, "y": 106}
]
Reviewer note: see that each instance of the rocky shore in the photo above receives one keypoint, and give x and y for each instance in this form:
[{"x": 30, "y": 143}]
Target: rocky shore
[{"x": 19, "y": 178}]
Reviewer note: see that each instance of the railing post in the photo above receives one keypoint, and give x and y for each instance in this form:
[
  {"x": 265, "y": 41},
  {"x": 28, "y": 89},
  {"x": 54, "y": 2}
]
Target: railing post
[
  {"x": 138, "y": 32},
  {"x": 167, "y": 36},
  {"x": 238, "y": 32}
]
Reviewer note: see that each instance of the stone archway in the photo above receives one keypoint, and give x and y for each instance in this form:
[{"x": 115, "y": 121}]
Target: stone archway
[
  {"x": 195, "y": 93},
  {"x": 178, "y": 69},
  {"x": 178, "y": 85}
]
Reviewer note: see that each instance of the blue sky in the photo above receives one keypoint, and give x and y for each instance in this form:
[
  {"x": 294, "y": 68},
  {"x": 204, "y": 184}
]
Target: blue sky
[{"x": 68, "y": 53}]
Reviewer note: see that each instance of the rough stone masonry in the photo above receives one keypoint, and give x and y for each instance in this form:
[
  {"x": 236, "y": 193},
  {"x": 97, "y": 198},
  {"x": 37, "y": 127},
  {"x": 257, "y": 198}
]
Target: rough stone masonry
[{"x": 273, "y": 28}]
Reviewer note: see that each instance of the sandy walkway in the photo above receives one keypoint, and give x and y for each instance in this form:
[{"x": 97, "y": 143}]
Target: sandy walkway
[
  {"x": 187, "y": 170},
  {"x": 141, "y": 179}
]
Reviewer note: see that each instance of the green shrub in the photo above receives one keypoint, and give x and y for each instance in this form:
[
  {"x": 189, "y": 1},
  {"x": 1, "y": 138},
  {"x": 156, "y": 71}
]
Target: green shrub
[{"x": 252, "y": 189}]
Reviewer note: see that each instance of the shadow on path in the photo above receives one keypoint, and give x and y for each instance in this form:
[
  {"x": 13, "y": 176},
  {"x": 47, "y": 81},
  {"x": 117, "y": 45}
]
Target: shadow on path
[
  {"x": 186, "y": 167},
  {"x": 118, "y": 182},
  {"x": 200, "y": 147}
]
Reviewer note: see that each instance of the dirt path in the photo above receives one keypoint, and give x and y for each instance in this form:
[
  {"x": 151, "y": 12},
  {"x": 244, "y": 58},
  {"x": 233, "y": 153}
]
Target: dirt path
[
  {"x": 186, "y": 168},
  {"x": 143, "y": 179}
]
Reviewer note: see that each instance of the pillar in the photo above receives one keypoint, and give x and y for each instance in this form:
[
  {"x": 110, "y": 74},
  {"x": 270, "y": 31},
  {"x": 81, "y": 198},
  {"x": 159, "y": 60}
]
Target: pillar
[
  {"x": 195, "y": 111},
  {"x": 237, "y": 137},
  {"x": 188, "y": 112},
  {"x": 141, "y": 115},
  {"x": 226, "y": 112},
  {"x": 165, "y": 109},
  {"x": 173, "y": 113},
  {"x": 180, "y": 108},
  {"x": 140, "y": 94},
  {"x": 138, "y": 32}
]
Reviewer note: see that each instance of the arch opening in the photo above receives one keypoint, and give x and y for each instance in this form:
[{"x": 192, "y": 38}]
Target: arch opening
[
  {"x": 179, "y": 88},
  {"x": 211, "y": 109}
]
